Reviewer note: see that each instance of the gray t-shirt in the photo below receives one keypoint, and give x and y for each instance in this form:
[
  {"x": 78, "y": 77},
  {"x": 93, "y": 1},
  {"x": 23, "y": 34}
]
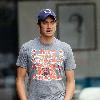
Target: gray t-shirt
[{"x": 46, "y": 65}]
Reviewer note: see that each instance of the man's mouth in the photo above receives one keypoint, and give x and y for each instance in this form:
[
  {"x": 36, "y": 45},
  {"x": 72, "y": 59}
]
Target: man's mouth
[{"x": 48, "y": 30}]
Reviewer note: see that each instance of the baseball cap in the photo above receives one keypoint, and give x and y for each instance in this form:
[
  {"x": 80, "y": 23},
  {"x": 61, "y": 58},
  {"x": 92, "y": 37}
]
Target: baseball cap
[{"x": 44, "y": 13}]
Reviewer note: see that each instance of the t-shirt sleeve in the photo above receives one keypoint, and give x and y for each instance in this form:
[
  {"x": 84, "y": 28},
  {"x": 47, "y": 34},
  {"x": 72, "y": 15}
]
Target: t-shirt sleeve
[
  {"x": 69, "y": 62},
  {"x": 22, "y": 60}
]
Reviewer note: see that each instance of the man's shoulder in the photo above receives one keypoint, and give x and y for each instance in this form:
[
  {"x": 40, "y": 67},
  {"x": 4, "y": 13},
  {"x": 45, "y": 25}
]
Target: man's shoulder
[
  {"x": 29, "y": 43},
  {"x": 62, "y": 44}
]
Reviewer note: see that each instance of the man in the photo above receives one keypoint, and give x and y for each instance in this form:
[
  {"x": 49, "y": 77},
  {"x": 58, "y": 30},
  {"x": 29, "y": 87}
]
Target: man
[{"x": 46, "y": 60}]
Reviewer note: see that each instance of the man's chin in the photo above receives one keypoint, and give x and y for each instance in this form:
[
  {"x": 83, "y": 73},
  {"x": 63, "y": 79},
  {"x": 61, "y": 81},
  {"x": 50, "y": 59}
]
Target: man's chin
[{"x": 49, "y": 35}]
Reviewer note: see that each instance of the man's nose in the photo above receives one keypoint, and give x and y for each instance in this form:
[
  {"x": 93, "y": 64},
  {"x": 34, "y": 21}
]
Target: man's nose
[{"x": 49, "y": 25}]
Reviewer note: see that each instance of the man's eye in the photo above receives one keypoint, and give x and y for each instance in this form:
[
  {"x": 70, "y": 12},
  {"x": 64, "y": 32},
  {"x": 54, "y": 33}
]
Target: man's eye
[
  {"x": 52, "y": 22},
  {"x": 44, "y": 22}
]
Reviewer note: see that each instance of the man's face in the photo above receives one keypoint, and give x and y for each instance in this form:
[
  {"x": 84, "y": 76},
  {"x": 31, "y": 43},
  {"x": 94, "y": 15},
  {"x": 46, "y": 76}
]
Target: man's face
[{"x": 48, "y": 27}]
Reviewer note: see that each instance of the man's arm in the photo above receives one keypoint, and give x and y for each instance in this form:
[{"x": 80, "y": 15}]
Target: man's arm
[
  {"x": 70, "y": 84},
  {"x": 21, "y": 73}
]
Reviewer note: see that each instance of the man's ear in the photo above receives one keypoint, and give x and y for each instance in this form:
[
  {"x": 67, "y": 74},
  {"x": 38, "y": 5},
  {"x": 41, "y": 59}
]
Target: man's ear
[
  {"x": 57, "y": 23},
  {"x": 38, "y": 25}
]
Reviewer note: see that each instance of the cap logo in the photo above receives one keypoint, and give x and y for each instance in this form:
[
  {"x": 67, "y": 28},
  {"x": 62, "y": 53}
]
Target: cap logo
[{"x": 47, "y": 11}]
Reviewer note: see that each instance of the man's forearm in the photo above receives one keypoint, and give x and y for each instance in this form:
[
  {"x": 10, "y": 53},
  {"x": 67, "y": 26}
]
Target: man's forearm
[
  {"x": 21, "y": 89},
  {"x": 70, "y": 88}
]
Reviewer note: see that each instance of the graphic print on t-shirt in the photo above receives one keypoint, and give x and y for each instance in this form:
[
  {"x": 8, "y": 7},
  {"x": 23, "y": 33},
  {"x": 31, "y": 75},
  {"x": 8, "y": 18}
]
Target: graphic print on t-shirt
[{"x": 47, "y": 64}]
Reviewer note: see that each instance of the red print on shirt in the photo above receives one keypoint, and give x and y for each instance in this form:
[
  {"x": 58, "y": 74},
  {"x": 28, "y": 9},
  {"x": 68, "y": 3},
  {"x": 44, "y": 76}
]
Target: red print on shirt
[{"x": 45, "y": 62}]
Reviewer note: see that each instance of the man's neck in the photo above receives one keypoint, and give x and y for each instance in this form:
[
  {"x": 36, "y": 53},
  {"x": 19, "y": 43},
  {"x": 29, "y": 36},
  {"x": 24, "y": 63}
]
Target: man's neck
[{"x": 46, "y": 40}]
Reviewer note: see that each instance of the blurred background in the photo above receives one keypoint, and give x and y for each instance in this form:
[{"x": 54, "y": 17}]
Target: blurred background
[{"x": 18, "y": 24}]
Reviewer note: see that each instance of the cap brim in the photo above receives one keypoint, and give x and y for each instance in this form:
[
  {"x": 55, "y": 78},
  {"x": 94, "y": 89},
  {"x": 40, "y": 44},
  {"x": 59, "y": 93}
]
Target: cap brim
[{"x": 47, "y": 15}]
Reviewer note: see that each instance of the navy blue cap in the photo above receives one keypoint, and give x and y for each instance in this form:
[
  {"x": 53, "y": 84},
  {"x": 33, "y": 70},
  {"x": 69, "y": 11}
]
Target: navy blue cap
[{"x": 44, "y": 13}]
